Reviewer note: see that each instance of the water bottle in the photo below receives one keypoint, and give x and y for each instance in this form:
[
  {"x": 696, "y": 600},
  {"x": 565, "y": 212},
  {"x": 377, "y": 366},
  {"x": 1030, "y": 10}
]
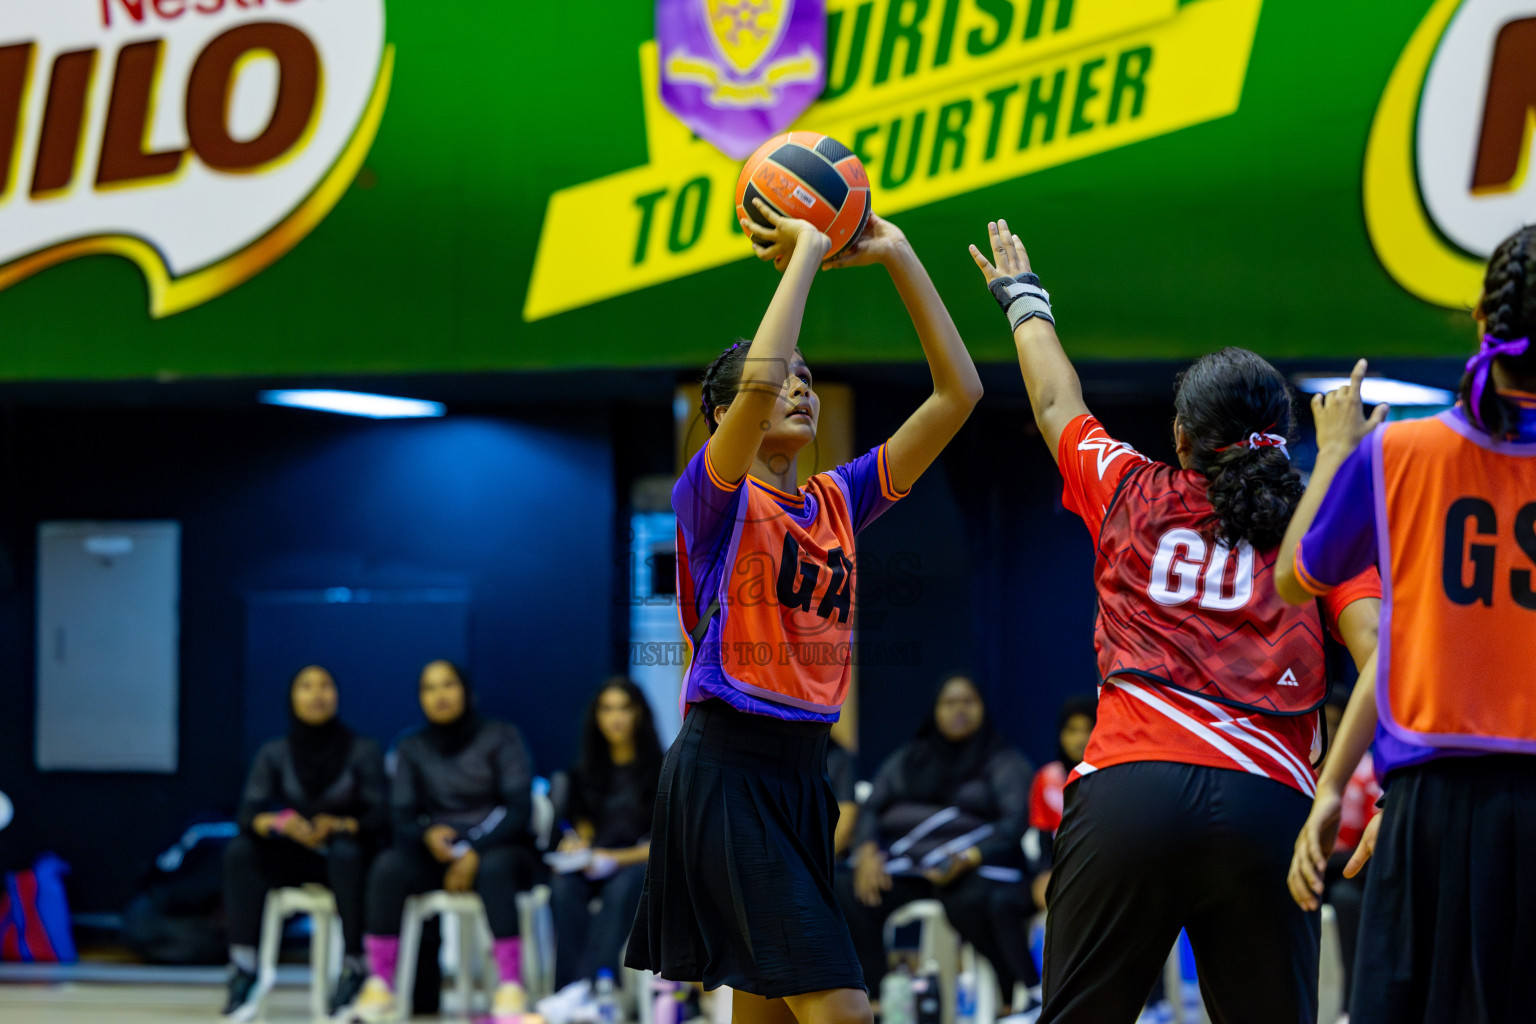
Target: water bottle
[
  {"x": 927, "y": 998},
  {"x": 665, "y": 1009},
  {"x": 896, "y": 997},
  {"x": 607, "y": 1001},
  {"x": 965, "y": 998}
]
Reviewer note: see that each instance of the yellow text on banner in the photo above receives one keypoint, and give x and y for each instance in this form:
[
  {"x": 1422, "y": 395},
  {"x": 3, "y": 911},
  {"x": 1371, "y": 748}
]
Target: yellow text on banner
[{"x": 678, "y": 212}]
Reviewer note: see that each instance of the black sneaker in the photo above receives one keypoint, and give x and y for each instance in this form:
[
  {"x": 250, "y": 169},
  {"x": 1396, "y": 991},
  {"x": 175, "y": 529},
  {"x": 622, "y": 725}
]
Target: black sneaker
[
  {"x": 244, "y": 996},
  {"x": 347, "y": 987}
]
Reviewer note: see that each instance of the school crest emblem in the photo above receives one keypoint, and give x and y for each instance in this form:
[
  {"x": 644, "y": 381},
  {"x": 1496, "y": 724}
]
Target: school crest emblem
[{"x": 739, "y": 71}]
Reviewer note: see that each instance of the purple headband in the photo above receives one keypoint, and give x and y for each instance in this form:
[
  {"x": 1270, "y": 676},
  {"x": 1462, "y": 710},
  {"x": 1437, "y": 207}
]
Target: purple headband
[{"x": 1481, "y": 365}]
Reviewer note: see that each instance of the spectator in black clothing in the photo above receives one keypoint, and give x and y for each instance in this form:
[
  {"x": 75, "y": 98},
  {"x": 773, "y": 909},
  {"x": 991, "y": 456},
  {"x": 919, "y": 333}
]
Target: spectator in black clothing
[
  {"x": 313, "y": 811},
  {"x": 840, "y": 774},
  {"x": 609, "y": 802},
  {"x": 945, "y": 822},
  {"x": 462, "y": 803}
]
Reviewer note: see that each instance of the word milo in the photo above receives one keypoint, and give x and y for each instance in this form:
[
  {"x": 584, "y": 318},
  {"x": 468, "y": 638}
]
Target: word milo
[
  {"x": 1450, "y": 147},
  {"x": 201, "y": 139}
]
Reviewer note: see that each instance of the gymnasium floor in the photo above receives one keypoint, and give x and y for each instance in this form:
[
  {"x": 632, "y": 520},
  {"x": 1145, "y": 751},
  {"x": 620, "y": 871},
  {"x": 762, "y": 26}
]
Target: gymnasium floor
[{"x": 144, "y": 996}]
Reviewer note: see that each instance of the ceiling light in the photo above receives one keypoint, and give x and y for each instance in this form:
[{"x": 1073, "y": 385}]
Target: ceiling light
[
  {"x": 354, "y": 403},
  {"x": 1376, "y": 390}
]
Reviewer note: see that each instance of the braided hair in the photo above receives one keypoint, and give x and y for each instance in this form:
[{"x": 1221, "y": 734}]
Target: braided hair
[
  {"x": 1509, "y": 308},
  {"x": 722, "y": 379},
  {"x": 1220, "y": 400}
]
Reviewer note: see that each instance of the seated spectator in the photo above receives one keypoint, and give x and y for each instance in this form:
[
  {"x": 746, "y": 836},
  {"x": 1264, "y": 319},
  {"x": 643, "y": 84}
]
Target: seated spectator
[
  {"x": 313, "y": 811},
  {"x": 1074, "y": 726},
  {"x": 462, "y": 803},
  {"x": 609, "y": 802},
  {"x": 840, "y": 774},
  {"x": 944, "y": 822}
]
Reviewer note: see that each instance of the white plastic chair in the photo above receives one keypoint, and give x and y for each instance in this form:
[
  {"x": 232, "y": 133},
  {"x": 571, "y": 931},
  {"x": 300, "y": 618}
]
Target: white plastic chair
[
  {"x": 1183, "y": 992},
  {"x": 536, "y": 922},
  {"x": 474, "y": 945},
  {"x": 317, "y": 902},
  {"x": 991, "y": 1001},
  {"x": 1330, "y": 982},
  {"x": 939, "y": 943}
]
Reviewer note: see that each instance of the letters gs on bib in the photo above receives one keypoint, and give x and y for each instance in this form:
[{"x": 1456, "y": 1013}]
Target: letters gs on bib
[{"x": 1472, "y": 529}]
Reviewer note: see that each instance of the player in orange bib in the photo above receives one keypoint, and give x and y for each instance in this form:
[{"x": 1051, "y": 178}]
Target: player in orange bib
[
  {"x": 1446, "y": 508},
  {"x": 739, "y": 887}
]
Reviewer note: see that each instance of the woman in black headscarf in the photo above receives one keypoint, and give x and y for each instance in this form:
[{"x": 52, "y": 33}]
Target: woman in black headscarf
[
  {"x": 462, "y": 802},
  {"x": 945, "y": 821},
  {"x": 313, "y": 811}
]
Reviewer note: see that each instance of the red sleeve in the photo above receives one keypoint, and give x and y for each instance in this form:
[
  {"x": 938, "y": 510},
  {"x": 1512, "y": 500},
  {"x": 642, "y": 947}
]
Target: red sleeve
[
  {"x": 1092, "y": 464},
  {"x": 1045, "y": 798},
  {"x": 1367, "y": 584}
]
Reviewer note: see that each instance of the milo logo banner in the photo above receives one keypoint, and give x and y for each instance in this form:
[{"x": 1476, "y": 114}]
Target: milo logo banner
[
  {"x": 737, "y": 72},
  {"x": 1446, "y": 170},
  {"x": 201, "y": 139},
  {"x": 938, "y": 98}
]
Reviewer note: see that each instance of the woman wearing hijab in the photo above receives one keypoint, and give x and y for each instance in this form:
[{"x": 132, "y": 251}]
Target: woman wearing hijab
[
  {"x": 944, "y": 821},
  {"x": 462, "y": 801},
  {"x": 313, "y": 811}
]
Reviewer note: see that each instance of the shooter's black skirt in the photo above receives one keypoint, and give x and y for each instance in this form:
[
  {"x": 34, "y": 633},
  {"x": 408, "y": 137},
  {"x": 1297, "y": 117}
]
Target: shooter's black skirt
[{"x": 739, "y": 889}]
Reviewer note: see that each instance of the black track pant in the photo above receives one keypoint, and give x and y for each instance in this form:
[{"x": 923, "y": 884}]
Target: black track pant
[
  {"x": 1448, "y": 930},
  {"x": 408, "y": 870},
  {"x": 586, "y": 942},
  {"x": 992, "y": 916},
  {"x": 1148, "y": 848},
  {"x": 254, "y": 865}
]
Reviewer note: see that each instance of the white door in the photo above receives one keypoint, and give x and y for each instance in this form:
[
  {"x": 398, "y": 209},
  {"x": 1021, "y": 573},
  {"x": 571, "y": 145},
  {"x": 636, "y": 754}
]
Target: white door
[{"x": 108, "y": 624}]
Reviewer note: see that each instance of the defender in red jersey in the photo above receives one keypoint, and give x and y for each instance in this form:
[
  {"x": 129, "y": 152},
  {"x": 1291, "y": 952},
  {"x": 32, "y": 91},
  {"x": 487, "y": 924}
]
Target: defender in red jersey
[
  {"x": 739, "y": 885},
  {"x": 1200, "y": 764}
]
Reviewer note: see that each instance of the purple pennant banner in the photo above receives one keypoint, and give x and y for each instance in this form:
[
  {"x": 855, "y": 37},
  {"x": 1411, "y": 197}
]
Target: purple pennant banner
[{"x": 738, "y": 72}]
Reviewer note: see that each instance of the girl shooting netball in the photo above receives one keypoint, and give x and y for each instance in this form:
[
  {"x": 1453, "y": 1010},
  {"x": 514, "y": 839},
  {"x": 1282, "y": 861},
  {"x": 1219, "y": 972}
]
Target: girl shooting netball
[{"x": 739, "y": 887}]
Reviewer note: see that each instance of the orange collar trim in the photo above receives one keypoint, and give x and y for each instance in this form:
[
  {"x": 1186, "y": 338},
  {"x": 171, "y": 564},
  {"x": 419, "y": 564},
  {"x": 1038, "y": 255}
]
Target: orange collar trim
[{"x": 797, "y": 499}]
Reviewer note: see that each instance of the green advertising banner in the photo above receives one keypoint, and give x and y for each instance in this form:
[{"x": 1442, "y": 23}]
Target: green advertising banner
[{"x": 296, "y": 187}]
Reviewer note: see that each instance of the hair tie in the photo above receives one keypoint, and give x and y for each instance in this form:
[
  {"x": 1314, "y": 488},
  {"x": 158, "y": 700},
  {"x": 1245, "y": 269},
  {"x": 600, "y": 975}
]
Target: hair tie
[
  {"x": 1260, "y": 439},
  {"x": 1480, "y": 367}
]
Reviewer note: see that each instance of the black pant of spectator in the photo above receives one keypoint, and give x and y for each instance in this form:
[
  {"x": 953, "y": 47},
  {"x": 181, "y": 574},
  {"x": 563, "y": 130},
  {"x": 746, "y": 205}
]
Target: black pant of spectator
[
  {"x": 409, "y": 870},
  {"x": 253, "y": 865},
  {"x": 585, "y": 941},
  {"x": 1347, "y": 895},
  {"x": 992, "y": 916}
]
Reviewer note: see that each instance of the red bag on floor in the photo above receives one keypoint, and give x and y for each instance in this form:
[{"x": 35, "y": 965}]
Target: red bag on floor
[{"x": 34, "y": 914}]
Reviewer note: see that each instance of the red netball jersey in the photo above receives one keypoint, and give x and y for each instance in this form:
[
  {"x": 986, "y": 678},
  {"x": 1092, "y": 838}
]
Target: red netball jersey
[
  {"x": 1202, "y": 662},
  {"x": 782, "y": 567}
]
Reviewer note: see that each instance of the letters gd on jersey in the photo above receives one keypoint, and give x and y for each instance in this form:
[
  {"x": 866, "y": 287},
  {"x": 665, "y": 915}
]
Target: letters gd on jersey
[{"x": 122, "y": 157}]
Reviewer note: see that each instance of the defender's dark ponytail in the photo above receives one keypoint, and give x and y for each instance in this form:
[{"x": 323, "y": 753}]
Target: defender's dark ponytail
[
  {"x": 1509, "y": 309},
  {"x": 1236, "y": 410}
]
